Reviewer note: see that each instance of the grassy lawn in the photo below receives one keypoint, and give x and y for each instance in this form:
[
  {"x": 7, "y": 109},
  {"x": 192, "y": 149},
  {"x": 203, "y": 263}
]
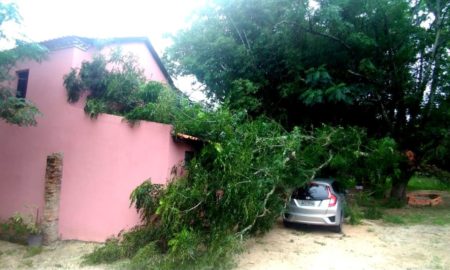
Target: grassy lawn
[
  {"x": 436, "y": 215},
  {"x": 371, "y": 208},
  {"x": 426, "y": 183}
]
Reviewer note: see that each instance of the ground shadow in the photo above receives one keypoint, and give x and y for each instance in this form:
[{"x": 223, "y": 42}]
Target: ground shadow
[{"x": 310, "y": 228}]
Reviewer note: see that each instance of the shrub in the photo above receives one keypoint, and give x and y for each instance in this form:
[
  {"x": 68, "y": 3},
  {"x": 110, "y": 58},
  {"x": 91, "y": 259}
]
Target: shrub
[
  {"x": 95, "y": 107},
  {"x": 146, "y": 197},
  {"x": 127, "y": 245},
  {"x": 354, "y": 213},
  {"x": 373, "y": 212},
  {"x": 148, "y": 257},
  {"x": 15, "y": 230},
  {"x": 117, "y": 89},
  {"x": 110, "y": 252},
  {"x": 140, "y": 236}
]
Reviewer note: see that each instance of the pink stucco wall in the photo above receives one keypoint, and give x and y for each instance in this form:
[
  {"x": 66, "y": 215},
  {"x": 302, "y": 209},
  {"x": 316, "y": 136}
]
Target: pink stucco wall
[
  {"x": 145, "y": 59},
  {"x": 104, "y": 159}
]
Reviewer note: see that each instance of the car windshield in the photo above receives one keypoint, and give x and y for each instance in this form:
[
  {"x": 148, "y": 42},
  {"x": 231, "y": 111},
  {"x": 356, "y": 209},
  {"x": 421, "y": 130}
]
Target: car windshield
[{"x": 312, "y": 191}]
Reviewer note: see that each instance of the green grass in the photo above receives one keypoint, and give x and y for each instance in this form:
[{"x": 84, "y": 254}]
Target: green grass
[
  {"x": 436, "y": 215},
  {"x": 110, "y": 252},
  {"x": 32, "y": 251},
  {"x": 394, "y": 219},
  {"x": 425, "y": 215},
  {"x": 373, "y": 213},
  {"x": 426, "y": 183}
]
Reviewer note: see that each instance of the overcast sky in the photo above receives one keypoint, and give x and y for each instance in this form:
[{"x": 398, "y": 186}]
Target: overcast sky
[{"x": 47, "y": 19}]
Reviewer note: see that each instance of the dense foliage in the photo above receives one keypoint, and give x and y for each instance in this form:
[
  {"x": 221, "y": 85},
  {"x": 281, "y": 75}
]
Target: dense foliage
[
  {"x": 237, "y": 184},
  {"x": 15, "y": 110},
  {"x": 381, "y": 65},
  {"x": 257, "y": 59},
  {"x": 116, "y": 89}
]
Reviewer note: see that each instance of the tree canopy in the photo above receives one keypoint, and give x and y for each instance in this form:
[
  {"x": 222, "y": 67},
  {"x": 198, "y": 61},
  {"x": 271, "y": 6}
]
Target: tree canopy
[
  {"x": 342, "y": 63},
  {"x": 15, "y": 110},
  {"x": 382, "y": 65}
]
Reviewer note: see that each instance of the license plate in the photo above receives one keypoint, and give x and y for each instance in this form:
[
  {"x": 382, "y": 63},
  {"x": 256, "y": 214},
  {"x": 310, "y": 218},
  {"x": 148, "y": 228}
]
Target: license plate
[{"x": 307, "y": 203}]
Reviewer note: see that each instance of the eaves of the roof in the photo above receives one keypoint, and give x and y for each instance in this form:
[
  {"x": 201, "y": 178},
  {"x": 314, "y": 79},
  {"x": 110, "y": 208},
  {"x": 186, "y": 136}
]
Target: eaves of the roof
[
  {"x": 196, "y": 142},
  {"x": 84, "y": 43}
]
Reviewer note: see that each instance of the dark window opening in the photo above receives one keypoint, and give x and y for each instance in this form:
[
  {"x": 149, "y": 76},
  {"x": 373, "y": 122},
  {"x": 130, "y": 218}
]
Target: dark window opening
[
  {"x": 22, "y": 83},
  {"x": 188, "y": 156},
  {"x": 312, "y": 191}
]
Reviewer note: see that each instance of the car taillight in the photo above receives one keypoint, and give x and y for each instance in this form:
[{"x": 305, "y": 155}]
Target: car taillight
[{"x": 332, "y": 197}]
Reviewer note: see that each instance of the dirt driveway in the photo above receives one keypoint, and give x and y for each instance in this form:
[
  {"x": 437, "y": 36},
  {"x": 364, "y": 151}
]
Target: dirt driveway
[
  {"x": 62, "y": 255},
  {"x": 372, "y": 245}
]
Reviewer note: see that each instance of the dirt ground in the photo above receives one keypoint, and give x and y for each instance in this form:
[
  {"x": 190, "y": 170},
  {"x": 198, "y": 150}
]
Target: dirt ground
[
  {"x": 371, "y": 245},
  {"x": 62, "y": 255}
]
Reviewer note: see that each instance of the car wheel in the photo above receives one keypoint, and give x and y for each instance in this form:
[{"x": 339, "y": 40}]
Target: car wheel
[
  {"x": 338, "y": 228},
  {"x": 287, "y": 224}
]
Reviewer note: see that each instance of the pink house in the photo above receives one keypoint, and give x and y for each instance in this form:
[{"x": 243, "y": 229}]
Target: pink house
[{"x": 103, "y": 159}]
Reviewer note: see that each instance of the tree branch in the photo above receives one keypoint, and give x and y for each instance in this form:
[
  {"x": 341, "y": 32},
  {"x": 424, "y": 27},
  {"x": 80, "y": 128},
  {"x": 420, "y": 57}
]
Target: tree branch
[
  {"x": 192, "y": 208},
  {"x": 383, "y": 109},
  {"x": 315, "y": 170},
  {"x": 435, "y": 59},
  {"x": 340, "y": 41},
  {"x": 241, "y": 233}
]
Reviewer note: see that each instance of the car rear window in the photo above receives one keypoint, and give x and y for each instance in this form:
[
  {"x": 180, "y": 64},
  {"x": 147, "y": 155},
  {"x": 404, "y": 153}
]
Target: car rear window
[{"x": 312, "y": 191}]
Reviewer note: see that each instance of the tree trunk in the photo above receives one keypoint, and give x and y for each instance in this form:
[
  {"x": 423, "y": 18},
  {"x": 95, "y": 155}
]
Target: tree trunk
[
  {"x": 398, "y": 191},
  {"x": 399, "y": 184}
]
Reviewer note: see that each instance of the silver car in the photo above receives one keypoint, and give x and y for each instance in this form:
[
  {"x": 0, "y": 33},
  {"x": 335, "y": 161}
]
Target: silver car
[{"x": 320, "y": 202}]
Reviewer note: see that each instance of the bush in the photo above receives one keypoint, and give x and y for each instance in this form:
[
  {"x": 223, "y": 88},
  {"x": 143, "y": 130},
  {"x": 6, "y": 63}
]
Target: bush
[
  {"x": 146, "y": 197},
  {"x": 115, "y": 89},
  {"x": 373, "y": 212},
  {"x": 15, "y": 230},
  {"x": 17, "y": 111},
  {"x": 127, "y": 245},
  {"x": 140, "y": 236},
  {"x": 354, "y": 213},
  {"x": 110, "y": 252},
  {"x": 148, "y": 257}
]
